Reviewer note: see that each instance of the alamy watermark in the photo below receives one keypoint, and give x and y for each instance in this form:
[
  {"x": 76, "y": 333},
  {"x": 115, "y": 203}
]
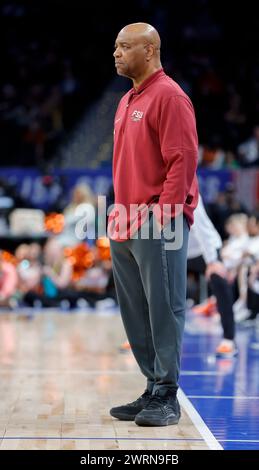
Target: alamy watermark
[{"x": 136, "y": 221}]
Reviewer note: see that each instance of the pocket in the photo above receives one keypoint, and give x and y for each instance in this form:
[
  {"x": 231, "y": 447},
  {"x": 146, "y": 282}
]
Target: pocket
[{"x": 189, "y": 199}]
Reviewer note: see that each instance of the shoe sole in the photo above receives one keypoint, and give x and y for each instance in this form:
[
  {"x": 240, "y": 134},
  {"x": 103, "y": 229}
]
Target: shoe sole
[
  {"x": 122, "y": 416},
  {"x": 141, "y": 421}
]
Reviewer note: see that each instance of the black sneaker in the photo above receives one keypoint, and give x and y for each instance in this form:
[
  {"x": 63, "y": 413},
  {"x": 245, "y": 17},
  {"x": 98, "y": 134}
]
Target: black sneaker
[
  {"x": 128, "y": 412},
  {"x": 159, "y": 411}
]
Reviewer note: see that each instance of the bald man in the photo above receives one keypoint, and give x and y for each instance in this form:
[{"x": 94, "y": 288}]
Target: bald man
[{"x": 155, "y": 186}]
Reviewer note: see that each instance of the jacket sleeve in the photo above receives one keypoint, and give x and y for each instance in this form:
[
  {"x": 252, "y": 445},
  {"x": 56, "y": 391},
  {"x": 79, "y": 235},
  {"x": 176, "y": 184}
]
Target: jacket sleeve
[
  {"x": 205, "y": 234},
  {"x": 179, "y": 149}
]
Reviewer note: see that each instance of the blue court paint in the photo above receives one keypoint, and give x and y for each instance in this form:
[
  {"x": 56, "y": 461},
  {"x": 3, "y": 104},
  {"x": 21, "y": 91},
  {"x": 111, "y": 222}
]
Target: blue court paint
[{"x": 226, "y": 393}]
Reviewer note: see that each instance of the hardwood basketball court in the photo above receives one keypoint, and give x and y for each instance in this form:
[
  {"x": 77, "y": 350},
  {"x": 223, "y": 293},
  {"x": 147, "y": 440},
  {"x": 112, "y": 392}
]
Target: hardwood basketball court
[{"x": 60, "y": 375}]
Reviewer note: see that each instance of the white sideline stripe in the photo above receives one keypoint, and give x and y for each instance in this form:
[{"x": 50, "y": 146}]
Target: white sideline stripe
[
  {"x": 198, "y": 372},
  {"x": 239, "y": 397},
  {"x": 198, "y": 422}
]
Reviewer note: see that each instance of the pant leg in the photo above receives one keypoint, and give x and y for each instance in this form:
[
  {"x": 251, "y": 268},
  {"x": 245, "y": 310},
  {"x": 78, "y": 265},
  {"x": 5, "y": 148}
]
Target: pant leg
[
  {"x": 224, "y": 295},
  {"x": 31, "y": 296},
  {"x": 164, "y": 274},
  {"x": 252, "y": 303},
  {"x": 223, "y": 292},
  {"x": 196, "y": 267},
  {"x": 134, "y": 307}
]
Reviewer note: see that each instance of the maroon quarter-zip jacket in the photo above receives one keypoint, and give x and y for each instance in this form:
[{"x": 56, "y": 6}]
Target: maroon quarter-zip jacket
[{"x": 155, "y": 154}]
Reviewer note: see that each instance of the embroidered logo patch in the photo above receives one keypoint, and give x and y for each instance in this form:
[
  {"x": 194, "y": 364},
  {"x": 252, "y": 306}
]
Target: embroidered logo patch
[{"x": 137, "y": 115}]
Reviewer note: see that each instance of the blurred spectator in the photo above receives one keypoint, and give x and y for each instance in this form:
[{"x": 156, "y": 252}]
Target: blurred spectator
[
  {"x": 248, "y": 151},
  {"x": 230, "y": 161},
  {"x": 203, "y": 258},
  {"x": 8, "y": 282},
  {"x": 234, "y": 121},
  {"x": 225, "y": 205},
  {"x": 34, "y": 140},
  {"x": 28, "y": 267},
  {"x": 253, "y": 293},
  {"x": 235, "y": 246},
  {"x": 56, "y": 276},
  {"x": 232, "y": 255},
  {"x": 253, "y": 227},
  {"x": 57, "y": 271},
  {"x": 82, "y": 206},
  {"x": 211, "y": 156}
]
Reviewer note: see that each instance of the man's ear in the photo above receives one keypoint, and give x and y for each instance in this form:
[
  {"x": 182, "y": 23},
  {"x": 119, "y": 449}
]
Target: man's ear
[{"x": 149, "y": 51}]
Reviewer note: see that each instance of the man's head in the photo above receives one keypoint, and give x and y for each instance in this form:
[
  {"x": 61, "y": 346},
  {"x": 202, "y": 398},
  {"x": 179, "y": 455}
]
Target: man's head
[{"x": 137, "y": 50}]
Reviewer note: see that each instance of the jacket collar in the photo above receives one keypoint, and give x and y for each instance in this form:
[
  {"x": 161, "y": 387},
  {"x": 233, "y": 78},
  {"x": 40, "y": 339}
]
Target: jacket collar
[{"x": 151, "y": 79}]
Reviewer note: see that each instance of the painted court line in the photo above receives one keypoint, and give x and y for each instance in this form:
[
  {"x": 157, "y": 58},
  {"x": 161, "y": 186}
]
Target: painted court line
[
  {"x": 198, "y": 422},
  {"x": 238, "y": 440},
  {"x": 36, "y": 438},
  {"x": 228, "y": 397}
]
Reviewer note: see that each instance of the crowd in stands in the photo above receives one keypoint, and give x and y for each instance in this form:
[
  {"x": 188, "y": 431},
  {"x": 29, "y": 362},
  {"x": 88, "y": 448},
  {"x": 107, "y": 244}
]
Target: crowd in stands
[
  {"x": 72, "y": 272},
  {"x": 36, "y": 277},
  {"x": 67, "y": 270},
  {"x": 49, "y": 75}
]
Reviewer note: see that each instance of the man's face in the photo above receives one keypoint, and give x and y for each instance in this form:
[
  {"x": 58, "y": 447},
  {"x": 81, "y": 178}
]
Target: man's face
[{"x": 129, "y": 54}]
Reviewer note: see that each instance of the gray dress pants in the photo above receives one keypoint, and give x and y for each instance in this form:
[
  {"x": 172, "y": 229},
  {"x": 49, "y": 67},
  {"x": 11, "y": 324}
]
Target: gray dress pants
[{"x": 150, "y": 282}]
